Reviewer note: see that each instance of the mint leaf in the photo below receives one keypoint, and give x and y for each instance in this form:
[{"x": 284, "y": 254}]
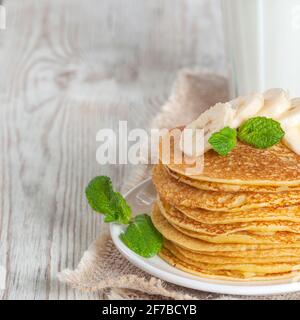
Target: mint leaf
[
  {"x": 102, "y": 198},
  {"x": 260, "y": 132},
  {"x": 142, "y": 237},
  {"x": 118, "y": 205},
  {"x": 99, "y": 193},
  {"x": 223, "y": 141}
]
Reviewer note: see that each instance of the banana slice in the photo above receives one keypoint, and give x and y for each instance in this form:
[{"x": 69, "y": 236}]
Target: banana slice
[
  {"x": 290, "y": 122},
  {"x": 276, "y": 101},
  {"x": 295, "y": 103},
  {"x": 292, "y": 139},
  {"x": 291, "y": 118},
  {"x": 246, "y": 107},
  {"x": 212, "y": 120}
]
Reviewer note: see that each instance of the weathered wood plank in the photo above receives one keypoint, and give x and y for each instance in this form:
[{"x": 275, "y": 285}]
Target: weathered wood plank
[{"x": 68, "y": 69}]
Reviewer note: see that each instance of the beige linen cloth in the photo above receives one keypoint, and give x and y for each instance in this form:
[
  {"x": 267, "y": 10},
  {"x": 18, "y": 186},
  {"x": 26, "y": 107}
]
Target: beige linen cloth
[{"x": 102, "y": 267}]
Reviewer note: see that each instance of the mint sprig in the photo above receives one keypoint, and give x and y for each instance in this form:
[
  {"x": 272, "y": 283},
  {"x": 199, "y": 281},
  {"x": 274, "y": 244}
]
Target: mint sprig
[
  {"x": 140, "y": 236},
  {"x": 223, "y": 141},
  {"x": 260, "y": 132},
  {"x": 103, "y": 199}
]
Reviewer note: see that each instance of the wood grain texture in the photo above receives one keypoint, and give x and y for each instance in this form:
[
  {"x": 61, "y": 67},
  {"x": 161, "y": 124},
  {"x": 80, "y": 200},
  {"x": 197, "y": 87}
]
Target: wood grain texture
[{"x": 68, "y": 69}]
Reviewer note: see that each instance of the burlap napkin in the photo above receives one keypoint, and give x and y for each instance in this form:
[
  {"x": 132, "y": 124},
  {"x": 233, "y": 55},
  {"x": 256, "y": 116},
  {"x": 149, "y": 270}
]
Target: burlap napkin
[{"x": 102, "y": 266}]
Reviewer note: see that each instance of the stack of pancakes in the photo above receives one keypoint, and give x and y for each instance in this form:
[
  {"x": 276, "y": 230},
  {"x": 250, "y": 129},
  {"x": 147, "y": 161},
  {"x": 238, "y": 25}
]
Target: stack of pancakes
[{"x": 237, "y": 219}]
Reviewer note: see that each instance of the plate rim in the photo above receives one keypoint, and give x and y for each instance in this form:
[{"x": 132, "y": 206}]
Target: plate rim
[{"x": 201, "y": 284}]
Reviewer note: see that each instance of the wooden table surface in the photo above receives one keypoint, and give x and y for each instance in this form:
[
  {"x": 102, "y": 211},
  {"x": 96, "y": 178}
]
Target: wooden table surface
[{"x": 68, "y": 69}]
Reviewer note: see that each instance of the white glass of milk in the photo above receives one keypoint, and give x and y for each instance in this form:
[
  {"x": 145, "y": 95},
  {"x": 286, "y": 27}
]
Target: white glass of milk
[{"x": 263, "y": 45}]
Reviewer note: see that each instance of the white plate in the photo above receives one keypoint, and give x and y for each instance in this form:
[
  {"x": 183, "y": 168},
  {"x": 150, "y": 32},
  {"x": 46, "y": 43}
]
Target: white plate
[{"x": 140, "y": 199}]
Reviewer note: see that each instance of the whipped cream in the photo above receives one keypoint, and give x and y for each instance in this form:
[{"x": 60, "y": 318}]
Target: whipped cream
[{"x": 274, "y": 103}]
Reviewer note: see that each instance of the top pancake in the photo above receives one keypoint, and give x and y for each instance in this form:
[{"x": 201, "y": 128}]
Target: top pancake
[
  {"x": 227, "y": 187},
  {"x": 244, "y": 165}
]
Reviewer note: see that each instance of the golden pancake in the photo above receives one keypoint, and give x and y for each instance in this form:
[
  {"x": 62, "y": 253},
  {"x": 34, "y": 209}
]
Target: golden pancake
[
  {"x": 215, "y": 186},
  {"x": 221, "y": 259},
  {"x": 179, "y": 194},
  {"x": 177, "y": 218},
  {"x": 246, "y": 165},
  {"x": 257, "y": 254},
  {"x": 166, "y": 255},
  {"x": 263, "y": 214},
  {"x": 194, "y": 244},
  {"x": 244, "y": 237},
  {"x": 242, "y": 267}
]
